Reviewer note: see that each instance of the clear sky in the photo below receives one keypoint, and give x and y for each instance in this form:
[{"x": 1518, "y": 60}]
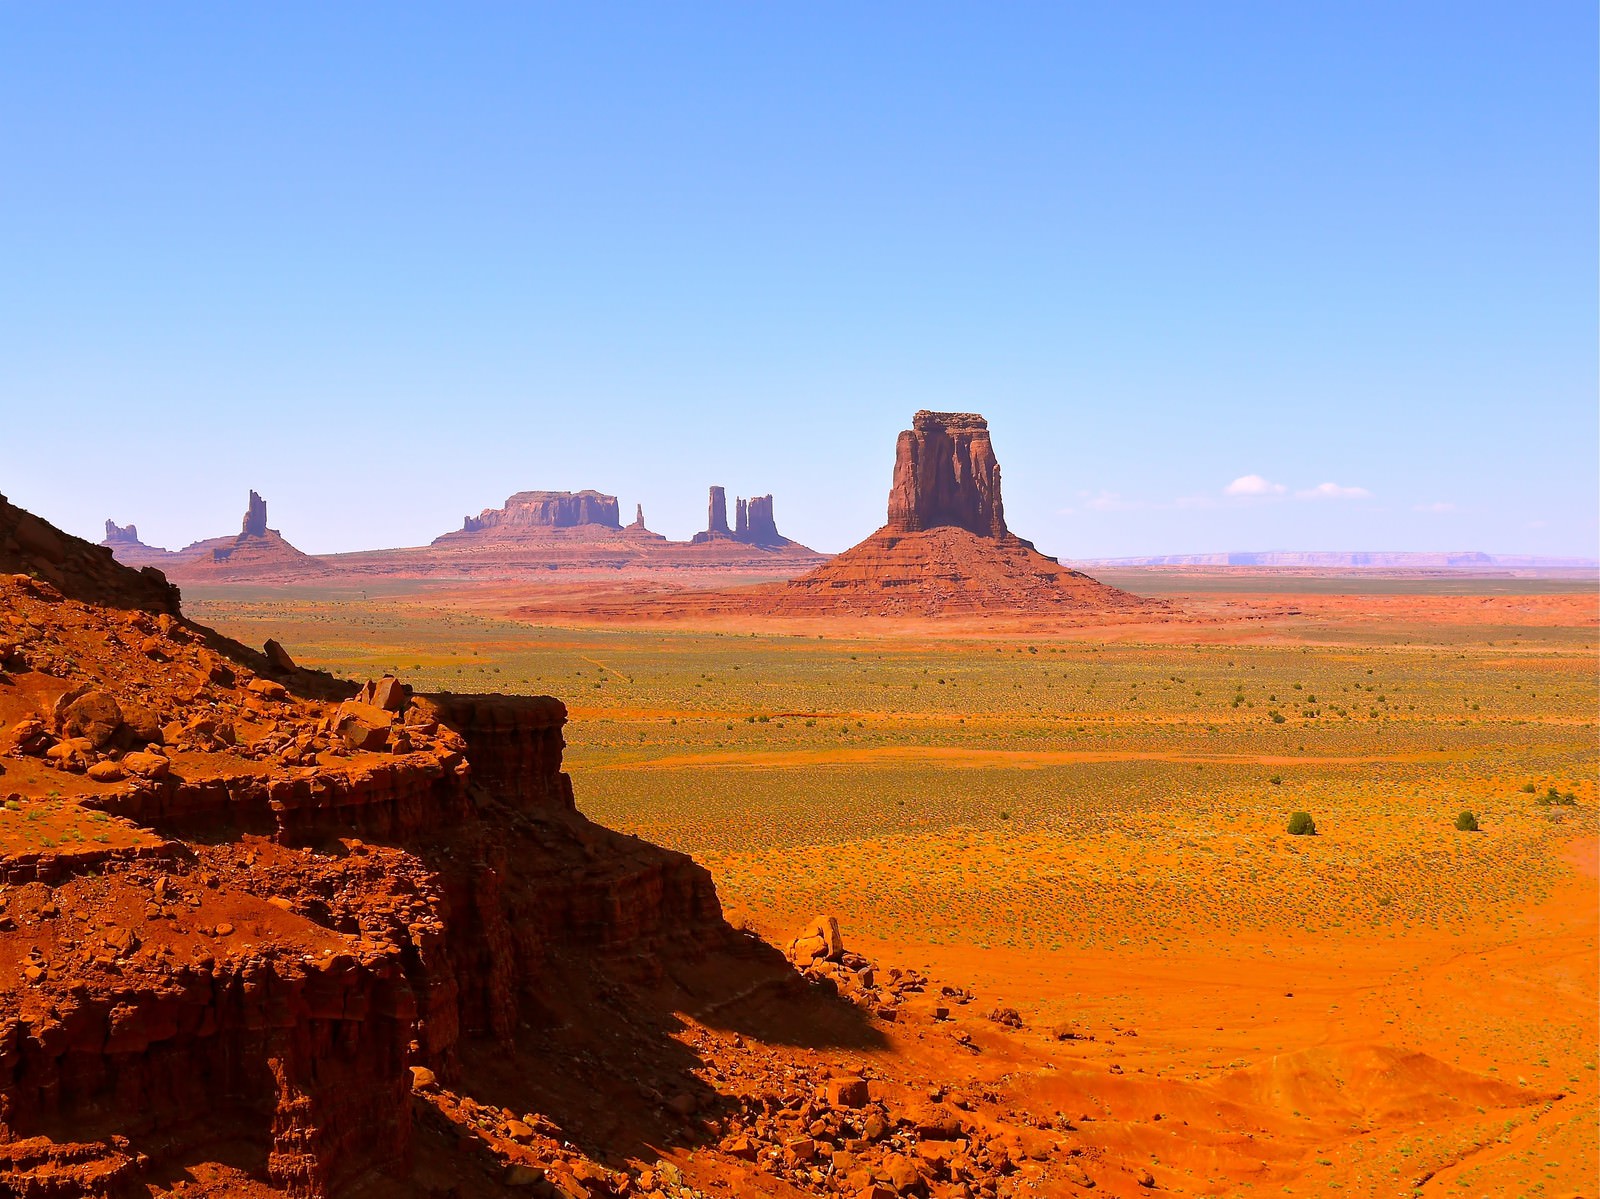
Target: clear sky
[{"x": 1221, "y": 275}]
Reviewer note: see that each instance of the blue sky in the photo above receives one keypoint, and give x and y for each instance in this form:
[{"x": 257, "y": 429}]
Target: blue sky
[{"x": 389, "y": 263}]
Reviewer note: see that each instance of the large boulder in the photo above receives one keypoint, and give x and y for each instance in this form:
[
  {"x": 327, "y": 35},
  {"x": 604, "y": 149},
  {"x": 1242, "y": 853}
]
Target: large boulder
[
  {"x": 363, "y": 726},
  {"x": 819, "y": 940},
  {"x": 93, "y": 715}
]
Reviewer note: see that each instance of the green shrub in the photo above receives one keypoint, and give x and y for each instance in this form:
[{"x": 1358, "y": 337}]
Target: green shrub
[
  {"x": 1553, "y": 796},
  {"x": 1467, "y": 822},
  {"x": 1301, "y": 825}
]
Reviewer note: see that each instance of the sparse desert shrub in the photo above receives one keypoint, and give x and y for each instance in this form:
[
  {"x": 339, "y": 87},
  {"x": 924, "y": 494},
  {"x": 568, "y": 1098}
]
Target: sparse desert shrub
[
  {"x": 1467, "y": 822},
  {"x": 1301, "y": 825},
  {"x": 1553, "y": 796},
  {"x": 1530, "y": 788},
  {"x": 1278, "y": 717},
  {"x": 1276, "y": 780}
]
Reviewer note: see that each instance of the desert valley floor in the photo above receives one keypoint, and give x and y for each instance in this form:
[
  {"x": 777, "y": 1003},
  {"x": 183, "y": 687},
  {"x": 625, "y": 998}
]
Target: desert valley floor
[{"x": 1087, "y": 825}]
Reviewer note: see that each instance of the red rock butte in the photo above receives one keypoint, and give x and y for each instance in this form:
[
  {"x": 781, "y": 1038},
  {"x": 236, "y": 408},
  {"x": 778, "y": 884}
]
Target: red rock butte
[
  {"x": 256, "y": 553},
  {"x": 945, "y": 548},
  {"x": 533, "y": 534},
  {"x": 945, "y": 475}
]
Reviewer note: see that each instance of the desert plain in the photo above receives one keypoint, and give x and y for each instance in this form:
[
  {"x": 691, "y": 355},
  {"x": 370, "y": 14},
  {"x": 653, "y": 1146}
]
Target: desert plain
[{"x": 1079, "y": 830}]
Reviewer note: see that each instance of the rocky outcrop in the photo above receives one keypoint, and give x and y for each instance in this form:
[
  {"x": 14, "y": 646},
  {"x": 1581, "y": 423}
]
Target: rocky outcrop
[
  {"x": 292, "y": 906},
  {"x": 255, "y": 518},
  {"x": 760, "y": 527},
  {"x": 258, "y": 553},
  {"x": 30, "y": 546},
  {"x": 529, "y": 510},
  {"x": 945, "y": 474},
  {"x": 534, "y": 533},
  {"x": 717, "y": 511},
  {"x": 753, "y": 523},
  {"x": 124, "y": 544},
  {"x": 943, "y": 551}
]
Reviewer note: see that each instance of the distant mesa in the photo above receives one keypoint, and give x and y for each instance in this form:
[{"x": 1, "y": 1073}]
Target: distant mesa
[
  {"x": 125, "y": 546},
  {"x": 753, "y": 522},
  {"x": 945, "y": 548},
  {"x": 536, "y": 532},
  {"x": 532, "y": 534},
  {"x": 1471, "y": 561},
  {"x": 547, "y": 510},
  {"x": 254, "y": 553},
  {"x": 121, "y": 534}
]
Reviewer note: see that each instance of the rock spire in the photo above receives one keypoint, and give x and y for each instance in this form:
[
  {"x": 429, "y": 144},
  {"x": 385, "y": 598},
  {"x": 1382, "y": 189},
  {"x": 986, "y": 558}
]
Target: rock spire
[
  {"x": 717, "y": 513},
  {"x": 255, "y": 518}
]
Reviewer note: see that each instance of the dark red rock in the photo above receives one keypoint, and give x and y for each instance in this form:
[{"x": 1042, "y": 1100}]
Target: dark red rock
[{"x": 945, "y": 473}]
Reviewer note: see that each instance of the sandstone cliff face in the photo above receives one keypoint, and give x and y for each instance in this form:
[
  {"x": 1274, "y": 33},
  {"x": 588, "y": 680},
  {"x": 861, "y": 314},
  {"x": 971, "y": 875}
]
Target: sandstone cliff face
[
  {"x": 945, "y": 473},
  {"x": 547, "y": 510},
  {"x": 121, "y": 534},
  {"x": 296, "y": 903}
]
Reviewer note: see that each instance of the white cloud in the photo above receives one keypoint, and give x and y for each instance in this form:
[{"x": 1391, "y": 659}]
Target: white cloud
[
  {"x": 1333, "y": 491},
  {"x": 1253, "y": 485},
  {"x": 1436, "y": 506}
]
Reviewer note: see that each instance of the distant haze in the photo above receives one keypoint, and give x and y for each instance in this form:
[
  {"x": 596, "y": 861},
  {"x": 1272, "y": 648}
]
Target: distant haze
[{"x": 1219, "y": 275}]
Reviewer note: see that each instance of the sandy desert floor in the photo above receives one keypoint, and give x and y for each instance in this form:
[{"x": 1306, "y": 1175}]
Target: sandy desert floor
[{"x": 1087, "y": 824}]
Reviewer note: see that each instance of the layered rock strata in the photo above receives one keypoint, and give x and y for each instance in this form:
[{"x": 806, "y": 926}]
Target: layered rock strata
[
  {"x": 547, "y": 510},
  {"x": 248, "y": 902}
]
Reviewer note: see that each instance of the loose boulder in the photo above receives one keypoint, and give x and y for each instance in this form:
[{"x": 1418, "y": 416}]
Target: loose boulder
[{"x": 94, "y": 715}]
